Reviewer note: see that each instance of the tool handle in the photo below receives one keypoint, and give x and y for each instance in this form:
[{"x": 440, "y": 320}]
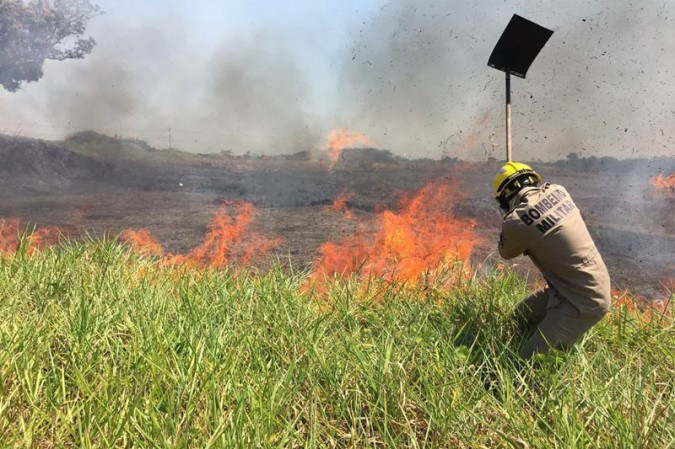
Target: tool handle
[{"x": 509, "y": 143}]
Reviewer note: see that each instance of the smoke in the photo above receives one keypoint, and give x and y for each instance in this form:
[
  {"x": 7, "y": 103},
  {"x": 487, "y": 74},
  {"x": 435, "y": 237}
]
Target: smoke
[
  {"x": 419, "y": 84},
  {"x": 109, "y": 96},
  {"x": 419, "y": 80},
  {"x": 246, "y": 95},
  {"x": 406, "y": 72},
  {"x": 413, "y": 77},
  {"x": 257, "y": 96},
  {"x": 121, "y": 88}
]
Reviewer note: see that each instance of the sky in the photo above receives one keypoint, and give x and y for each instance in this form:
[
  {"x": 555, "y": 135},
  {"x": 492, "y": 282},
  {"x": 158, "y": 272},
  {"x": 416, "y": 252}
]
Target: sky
[{"x": 274, "y": 77}]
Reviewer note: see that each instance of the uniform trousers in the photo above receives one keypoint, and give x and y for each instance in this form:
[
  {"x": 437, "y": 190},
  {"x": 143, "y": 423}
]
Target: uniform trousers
[{"x": 559, "y": 324}]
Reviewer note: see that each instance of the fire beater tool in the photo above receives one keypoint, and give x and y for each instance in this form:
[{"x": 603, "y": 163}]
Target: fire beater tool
[{"x": 520, "y": 43}]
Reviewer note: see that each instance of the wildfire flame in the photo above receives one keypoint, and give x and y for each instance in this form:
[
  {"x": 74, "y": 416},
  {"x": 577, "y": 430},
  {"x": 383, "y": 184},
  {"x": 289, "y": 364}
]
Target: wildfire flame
[
  {"x": 11, "y": 229},
  {"x": 340, "y": 204},
  {"x": 228, "y": 239},
  {"x": 142, "y": 241},
  {"x": 664, "y": 183},
  {"x": 407, "y": 245},
  {"x": 9, "y": 235},
  {"x": 641, "y": 308},
  {"x": 340, "y": 139}
]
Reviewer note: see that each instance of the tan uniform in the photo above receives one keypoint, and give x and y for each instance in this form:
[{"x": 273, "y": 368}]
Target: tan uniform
[{"x": 546, "y": 225}]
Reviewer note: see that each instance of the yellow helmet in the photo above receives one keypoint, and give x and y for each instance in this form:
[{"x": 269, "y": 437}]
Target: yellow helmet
[{"x": 509, "y": 172}]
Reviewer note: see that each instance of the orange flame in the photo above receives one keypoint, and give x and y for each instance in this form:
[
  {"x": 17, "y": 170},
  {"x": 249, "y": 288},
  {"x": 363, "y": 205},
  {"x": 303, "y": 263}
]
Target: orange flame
[
  {"x": 340, "y": 204},
  {"x": 641, "y": 308},
  {"x": 664, "y": 183},
  {"x": 141, "y": 241},
  {"x": 41, "y": 238},
  {"x": 340, "y": 139},
  {"x": 227, "y": 240},
  {"x": 9, "y": 235},
  {"x": 408, "y": 244}
]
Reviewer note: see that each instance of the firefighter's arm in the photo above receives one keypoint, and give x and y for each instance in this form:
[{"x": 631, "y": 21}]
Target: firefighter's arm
[{"x": 513, "y": 240}]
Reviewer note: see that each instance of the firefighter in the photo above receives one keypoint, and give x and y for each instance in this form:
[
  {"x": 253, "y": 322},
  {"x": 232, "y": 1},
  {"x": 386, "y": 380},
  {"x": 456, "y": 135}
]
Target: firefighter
[{"x": 542, "y": 222}]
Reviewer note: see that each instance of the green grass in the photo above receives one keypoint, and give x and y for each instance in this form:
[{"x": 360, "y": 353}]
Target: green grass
[{"x": 100, "y": 347}]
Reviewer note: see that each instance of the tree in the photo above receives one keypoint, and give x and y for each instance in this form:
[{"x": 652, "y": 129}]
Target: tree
[{"x": 33, "y": 31}]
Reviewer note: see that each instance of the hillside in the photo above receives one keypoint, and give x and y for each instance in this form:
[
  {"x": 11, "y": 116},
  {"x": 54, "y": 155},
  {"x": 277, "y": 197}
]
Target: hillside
[{"x": 35, "y": 165}]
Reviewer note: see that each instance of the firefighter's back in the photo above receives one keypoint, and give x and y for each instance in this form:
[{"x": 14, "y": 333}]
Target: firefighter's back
[{"x": 564, "y": 250}]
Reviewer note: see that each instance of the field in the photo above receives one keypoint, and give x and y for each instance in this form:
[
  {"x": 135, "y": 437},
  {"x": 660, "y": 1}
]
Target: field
[
  {"x": 94, "y": 184},
  {"x": 101, "y": 347},
  {"x": 175, "y": 300}
]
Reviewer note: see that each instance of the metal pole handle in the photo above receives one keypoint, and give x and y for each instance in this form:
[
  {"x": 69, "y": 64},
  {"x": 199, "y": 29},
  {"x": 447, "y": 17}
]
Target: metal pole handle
[{"x": 508, "y": 117}]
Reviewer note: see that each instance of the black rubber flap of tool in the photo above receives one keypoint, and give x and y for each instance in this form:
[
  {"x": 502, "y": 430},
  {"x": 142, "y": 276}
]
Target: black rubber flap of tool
[{"x": 519, "y": 45}]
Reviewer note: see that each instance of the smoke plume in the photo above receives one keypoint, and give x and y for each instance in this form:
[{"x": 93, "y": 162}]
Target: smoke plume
[
  {"x": 413, "y": 76},
  {"x": 421, "y": 85}
]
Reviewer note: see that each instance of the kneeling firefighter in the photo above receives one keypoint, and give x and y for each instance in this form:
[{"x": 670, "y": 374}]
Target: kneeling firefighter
[{"x": 542, "y": 222}]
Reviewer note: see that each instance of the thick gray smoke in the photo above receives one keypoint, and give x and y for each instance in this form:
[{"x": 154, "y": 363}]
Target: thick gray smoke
[
  {"x": 249, "y": 95},
  {"x": 413, "y": 78},
  {"x": 256, "y": 96},
  {"x": 420, "y": 83},
  {"x": 110, "y": 95}
]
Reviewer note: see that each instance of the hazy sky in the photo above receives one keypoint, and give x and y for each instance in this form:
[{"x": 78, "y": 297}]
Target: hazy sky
[{"x": 275, "y": 76}]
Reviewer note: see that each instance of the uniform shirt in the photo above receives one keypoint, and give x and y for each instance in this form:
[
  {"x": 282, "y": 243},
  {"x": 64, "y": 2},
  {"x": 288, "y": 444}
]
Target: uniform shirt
[{"x": 546, "y": 225}]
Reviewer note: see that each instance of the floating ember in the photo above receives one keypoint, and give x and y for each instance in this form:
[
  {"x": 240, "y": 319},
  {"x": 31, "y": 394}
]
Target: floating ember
[
  {"x": 340, "y": 139},
  {"x": 407, "y": 245}
]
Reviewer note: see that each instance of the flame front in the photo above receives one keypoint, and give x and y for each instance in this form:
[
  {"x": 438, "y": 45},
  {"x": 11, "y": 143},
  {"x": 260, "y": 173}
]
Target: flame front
[
  {"x": 9, "y": 235},
  {"x": 407, "y": 245},
  {"x": 142, "y": 241},
  {"x": 641, "y": 308},
  {"x": 228, "y": 240},
  {"x": 340, "y": 204},
  {"x": 11, "y": 229},
  {"x": 664, "y": 183},
  {"x": 340, "y": 139}
]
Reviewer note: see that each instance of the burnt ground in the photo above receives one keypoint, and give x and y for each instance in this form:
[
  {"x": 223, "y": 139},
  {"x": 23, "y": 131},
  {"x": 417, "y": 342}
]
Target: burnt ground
[{"x": 50, "y": 185}]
